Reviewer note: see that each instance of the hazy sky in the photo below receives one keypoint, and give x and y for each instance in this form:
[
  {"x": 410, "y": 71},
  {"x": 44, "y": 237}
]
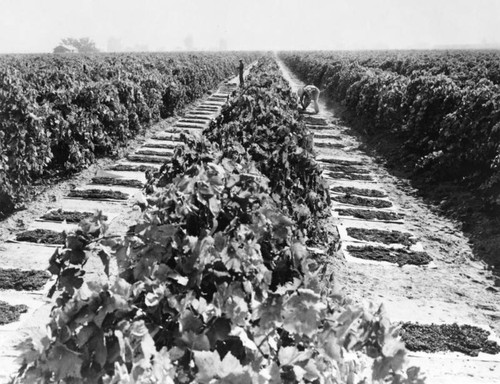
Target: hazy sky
[{"x": 38, "y": 25}]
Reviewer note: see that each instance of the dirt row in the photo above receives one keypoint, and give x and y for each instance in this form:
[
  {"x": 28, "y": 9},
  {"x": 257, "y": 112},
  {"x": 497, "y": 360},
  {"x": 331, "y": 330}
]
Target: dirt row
[{"x": 397, "y": 253}]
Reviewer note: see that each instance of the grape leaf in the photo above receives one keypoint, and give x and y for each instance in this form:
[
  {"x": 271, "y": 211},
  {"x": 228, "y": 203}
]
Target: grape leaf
[
  {"x": 208, "y": 364},
  {"x": 291, "y": 355},
  {"x": 302, "y": 312},
  {"x": 64, "y": 363}
]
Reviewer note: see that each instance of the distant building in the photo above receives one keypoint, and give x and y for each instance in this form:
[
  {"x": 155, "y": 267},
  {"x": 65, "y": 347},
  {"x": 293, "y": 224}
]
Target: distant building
[{"x": 61, "y": 48}]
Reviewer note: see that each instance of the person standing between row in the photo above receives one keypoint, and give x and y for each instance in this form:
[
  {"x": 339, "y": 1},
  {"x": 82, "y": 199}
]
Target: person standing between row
[
  {"x": 241, "y": 68},
  {"x": 307, "y": 94}
]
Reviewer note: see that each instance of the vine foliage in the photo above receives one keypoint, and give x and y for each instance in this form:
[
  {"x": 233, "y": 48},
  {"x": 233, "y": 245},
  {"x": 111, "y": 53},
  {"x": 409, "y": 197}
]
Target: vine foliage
[{"x": 216, "y": 284}]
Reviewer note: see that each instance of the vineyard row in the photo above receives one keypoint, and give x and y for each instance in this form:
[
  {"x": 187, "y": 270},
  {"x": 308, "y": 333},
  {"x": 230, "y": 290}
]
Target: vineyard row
[
  {"x": 59, "y": 112},
  {"x": 449, "y": 123}
]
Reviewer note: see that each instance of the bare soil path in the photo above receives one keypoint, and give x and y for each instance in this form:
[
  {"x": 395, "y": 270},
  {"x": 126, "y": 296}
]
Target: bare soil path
[{"x": 381, "y": 224}]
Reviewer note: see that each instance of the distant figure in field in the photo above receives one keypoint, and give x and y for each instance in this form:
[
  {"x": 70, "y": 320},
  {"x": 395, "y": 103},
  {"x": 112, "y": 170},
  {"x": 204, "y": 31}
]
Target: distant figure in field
[
  {"x": 241, "y": 67},
  {"x": 307, "y": 94}
]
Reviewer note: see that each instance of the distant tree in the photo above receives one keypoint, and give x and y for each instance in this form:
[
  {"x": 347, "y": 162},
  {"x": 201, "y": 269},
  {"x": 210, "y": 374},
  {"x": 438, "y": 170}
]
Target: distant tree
[{"x": 82, "y": 45}]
